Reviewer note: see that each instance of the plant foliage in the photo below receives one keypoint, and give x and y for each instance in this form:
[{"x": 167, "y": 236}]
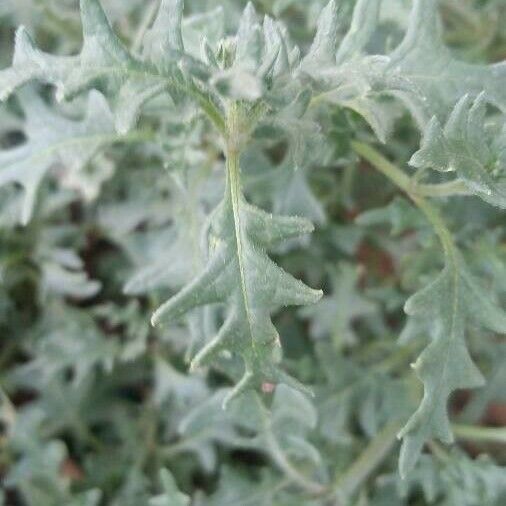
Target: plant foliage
[{"x": 207, "y": 166}]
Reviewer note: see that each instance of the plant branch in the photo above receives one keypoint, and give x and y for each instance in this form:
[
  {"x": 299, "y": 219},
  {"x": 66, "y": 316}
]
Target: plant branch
[
  {"x": 374, "y": 454},
  {"x": 290, "y": 471},
  {"x": 480, "y": 434},
  {"x": 399, "y": 178},
  {"x": 449, "y": 189}
]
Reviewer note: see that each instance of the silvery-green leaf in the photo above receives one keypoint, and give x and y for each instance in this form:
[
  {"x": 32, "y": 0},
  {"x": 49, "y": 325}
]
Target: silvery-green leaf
[
  {"x": 452, "y": 300},
  {"x": 240, "y": 274},
  {"x": 464, "y": 146},
  {"x": 399, "y": 214},
  {"x": 52, "y": 140},
  {"x": 105, "y": 62},
  {"x": 236, "y": 488},
  {"x": 76, "y": 284},
  {"x": 165, "y": 37},
  {"x": 363, "y": 25},
  {"x": 171, "y": 496},
  {"x": 421, "y": 72},
  {"x": 208, "y": 26},
  {"x": 248, "y": 48},
  {"x": 424, "y": 60},
  {"x": 334, "y": 316},
  {"x": 30, "y": 63},
  {"x": 324, "y": 46}
]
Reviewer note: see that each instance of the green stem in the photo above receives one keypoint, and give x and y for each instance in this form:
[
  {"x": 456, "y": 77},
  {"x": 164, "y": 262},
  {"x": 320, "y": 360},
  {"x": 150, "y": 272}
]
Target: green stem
[
  {"x": 480, "y": 434},
  {"x": 449, "y": 189},
  {"x": 137, "y": 136},
  {"x": 207, "y": 104},
  {"x": 290, "y": 471},
  {"x": 377, "y": 450},
  {"x": 438, "y": 451},
  {"x": 398, "y": 177},
  {"x": 285, "y": 465}
]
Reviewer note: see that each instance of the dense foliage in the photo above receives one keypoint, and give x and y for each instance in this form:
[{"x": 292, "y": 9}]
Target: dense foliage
[{"x": 245, "y": 249}]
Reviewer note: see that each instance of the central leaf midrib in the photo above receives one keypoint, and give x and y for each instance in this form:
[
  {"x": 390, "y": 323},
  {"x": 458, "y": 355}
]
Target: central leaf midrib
[
  {"x": 452, "y": 338},
  {"x": 235, "y": 196}
]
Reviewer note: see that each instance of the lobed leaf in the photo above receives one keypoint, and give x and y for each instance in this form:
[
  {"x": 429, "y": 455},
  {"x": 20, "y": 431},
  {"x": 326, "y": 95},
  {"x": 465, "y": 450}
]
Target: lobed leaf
[
  {"x": 240, "y": 274},
  {"x": 54, "y": 139},
  {"x": 452, "y": 301},
  {"x": 464, "y": 146}
]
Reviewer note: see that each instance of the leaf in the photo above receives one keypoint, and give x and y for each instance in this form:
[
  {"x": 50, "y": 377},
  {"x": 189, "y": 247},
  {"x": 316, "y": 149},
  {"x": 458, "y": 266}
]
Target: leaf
[
  {"x": 207, "y": 424},
  {"x": 164, "y": 37},
  {"x": 363, "y": 24},
  {"x": 421, "y": 72},
  {"x": 459, "y": 480},
  {"x": 451, "y": 301},
  {"x": 236, "y": 488},
  {"x": 53, "y": 139},
  {"x": 473, "y": 482},
  {"x": 323, "y": 48},
  {"x": 171, "y": 496},
  {"x": 261, "y": 57},
  {"x": 464, "y": 146},
  {"x": 68, "y": 280},
  {"x": 240, "y": 274},
  {"x": 399, "y": 214},
  {"x": 31, "y": 64},
  {"x": 106, "y": 63},
  {"x": 334, "y": 316},
  {"x": 68, "y": 340},
  {"x": 284, "y": 189},
  {"x": 424, "y": 60},
  {"x": 279, "y": 431},
  {"x": 170, "y": 384}
]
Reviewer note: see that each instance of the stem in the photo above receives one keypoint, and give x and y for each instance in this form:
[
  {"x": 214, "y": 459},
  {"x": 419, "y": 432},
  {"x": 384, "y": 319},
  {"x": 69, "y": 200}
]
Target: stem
[
  {"x": 449, "y": 189},
  {"x": 480, "y": 434},
  {"x": 438, "y": 451},
  {"x": 398, "y": 177},
  {"x": 295, "y": 476},
  {"x": 403, "y": 181},
  {"x": 207, "y": 104},
  {"x": 137, "y": 136},
  {"x": 377, "y": 450}
]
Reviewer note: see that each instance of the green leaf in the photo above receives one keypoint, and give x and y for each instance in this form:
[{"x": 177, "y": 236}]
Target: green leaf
[
  {"x": 399, "y": 214},
  {"x": 363, "y": 24},
  {"x": 335, "y": 315},
  {"x": 164, "y": 38},
  {"x": 106, "y": 63},
  {"x": 451, "y": 301},
  {"x": 171, "y": 496},
  {"x": 427, "y": 64},
  {"x": 29, "y": 63},
  {"x": 52, "y": 140},
  {"x": 464, "y": 146},
  {"x": 323, "y": 48},
  {"x": 235, "y": 487},
  {"x": 240, "y": 274},
  {"x": 279, "y": 431},
  {"x": 421, "y": 72}
]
